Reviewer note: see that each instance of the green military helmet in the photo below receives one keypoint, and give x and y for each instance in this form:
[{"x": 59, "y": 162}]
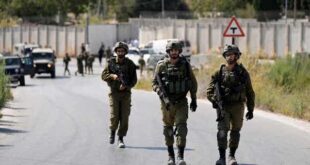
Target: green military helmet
[
  {"x": 233, "y": 49},
  {"x": 174, "y": 45},
  {"x": 121, "y": 45}
]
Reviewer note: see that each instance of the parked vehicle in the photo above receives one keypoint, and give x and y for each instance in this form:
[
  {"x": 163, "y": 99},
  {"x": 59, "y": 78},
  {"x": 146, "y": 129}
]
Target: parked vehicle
[
  {"x": 22, "y": 49},
  {"x": 14, "y": 69},
  {"x": 43, "y": 61},
  {"x": 134, "y": 55},
  {"x": 159, "y": 46}
]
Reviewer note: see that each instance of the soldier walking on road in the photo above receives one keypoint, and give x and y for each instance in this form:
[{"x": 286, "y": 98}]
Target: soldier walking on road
[
  {"x": 120, "y": 75},
  {"x": 234, "y": 88},
  {"x": 108, "y": 53},
  {"x": 80, "y": 68},
  {"x": 66, "y": 61},
  {"x": 100, "y": 53},
  {"x": 141, "y": 64},
  {"x": 172, "y": 80},
  {"x": 90, "y": 61}
]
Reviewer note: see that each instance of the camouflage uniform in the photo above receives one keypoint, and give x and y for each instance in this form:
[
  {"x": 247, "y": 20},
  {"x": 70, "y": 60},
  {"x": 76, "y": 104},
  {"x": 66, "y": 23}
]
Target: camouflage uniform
[
  {"x": 80, "y": 67},
  {"x": 236, "y": 89},
  {"x": 120, "y": 101},
  {"x": 177, "y": 79},
  {"x": 66, "y": 61}
]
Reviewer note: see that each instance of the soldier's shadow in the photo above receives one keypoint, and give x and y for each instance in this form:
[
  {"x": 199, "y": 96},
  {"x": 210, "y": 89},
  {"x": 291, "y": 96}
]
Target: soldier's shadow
[{"x": 155, "y": 148}]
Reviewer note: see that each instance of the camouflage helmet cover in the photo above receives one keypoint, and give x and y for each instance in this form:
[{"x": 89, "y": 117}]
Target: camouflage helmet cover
[
  {"x": 121, "y": 45},
  {"x": 174, "y": 45},
  {"x": 231, "y": 49}
]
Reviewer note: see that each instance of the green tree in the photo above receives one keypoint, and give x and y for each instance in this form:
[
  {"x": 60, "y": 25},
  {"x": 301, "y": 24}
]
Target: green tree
[{"x": 156, "y": 6}]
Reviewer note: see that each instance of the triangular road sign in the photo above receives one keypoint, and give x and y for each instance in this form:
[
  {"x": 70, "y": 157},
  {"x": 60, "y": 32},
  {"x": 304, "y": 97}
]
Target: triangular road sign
[{"x": 233, "y": 29}]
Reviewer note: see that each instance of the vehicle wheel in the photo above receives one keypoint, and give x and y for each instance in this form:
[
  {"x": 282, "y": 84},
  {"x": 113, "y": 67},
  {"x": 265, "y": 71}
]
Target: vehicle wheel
[
  {"x": 53, "y": 74},
  {"x": 22, "y": 81}
]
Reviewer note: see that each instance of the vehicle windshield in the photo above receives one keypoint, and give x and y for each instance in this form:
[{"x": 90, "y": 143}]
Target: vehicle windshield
[
  {"x": 147, "y": 51},
  {"x": 42, "y": 55},
  {"x": 12, "y": 61},
  {"x": 133, "y": 52}
]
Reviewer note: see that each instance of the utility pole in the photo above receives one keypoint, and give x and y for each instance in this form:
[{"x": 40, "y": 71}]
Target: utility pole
[
  {"x": 295, "y": 8},
  {"x": 285, "y": 11},
  {"x": 163, "y": 8}
]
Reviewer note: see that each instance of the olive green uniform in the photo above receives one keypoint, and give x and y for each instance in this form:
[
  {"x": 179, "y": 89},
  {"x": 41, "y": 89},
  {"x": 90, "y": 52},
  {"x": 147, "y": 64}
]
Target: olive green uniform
[
  {"x": 236, "y": 89},
  {"x": 80, "y": 64},
  {"x": 120, "y": 101},
  {"x": 177, "y": 79}
]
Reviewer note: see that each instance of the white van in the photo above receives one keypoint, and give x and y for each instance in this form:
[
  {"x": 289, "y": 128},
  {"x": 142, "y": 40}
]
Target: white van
[{"x": 159, "y": 46}]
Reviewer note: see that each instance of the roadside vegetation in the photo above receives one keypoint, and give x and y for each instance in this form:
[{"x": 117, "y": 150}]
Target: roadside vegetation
[
  {"x": 281, "y": 86},
  {"x": 5, "y": 94}
]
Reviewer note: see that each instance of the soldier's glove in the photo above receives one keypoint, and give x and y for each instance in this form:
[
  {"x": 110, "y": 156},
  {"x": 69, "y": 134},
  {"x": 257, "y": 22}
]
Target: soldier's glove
[
  {"x": 249, "y": 115},
  {"x": 193, "y": 105}
]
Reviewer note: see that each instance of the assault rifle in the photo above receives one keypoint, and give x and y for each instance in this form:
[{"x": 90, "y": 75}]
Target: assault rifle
[
  {"x": 121, "y": 76},
  {"x": 219, "y": 103},
  {"x": 162, "y": 92}
]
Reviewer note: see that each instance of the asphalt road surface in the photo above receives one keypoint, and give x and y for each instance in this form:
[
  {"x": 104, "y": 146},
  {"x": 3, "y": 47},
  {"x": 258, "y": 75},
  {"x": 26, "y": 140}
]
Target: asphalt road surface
[{"x": 64, "y": 121}]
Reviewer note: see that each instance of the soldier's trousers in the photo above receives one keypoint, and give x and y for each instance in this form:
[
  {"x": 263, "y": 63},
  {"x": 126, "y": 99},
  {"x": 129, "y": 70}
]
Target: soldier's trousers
[
  {"x": 120, "y": 104},
  {"x": 176, "y": 116},
  {"x": 232, "y": 122}
]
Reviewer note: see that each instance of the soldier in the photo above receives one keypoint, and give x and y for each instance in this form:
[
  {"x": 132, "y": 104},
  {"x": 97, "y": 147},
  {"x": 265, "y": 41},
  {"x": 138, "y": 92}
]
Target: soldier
[
  {"x": 100, "y": 53},
  {"x": 120, "y": 74},
  {"x": 66, "y": 61},
  {"x": 235, "y": 88},
  {"x": 141, "y": 62},
  {"x": 85, "y": 58},
  {"x": 173, "y": 79},
  {"x": 90, "y": 61},
  {"x": 80, "y": 68},
  {"x": 108, "y": 53}
]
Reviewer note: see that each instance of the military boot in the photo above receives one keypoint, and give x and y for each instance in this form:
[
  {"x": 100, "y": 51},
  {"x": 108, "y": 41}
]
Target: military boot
[
  {"x": 121, "y": 143},
  {"x": 222, "y": 159},
  {"x": 112, "y": 137},
  {"x": 171, "y": 159},
  {"x": 181, "y": 156},
  {"x": 231, "y": 158}
]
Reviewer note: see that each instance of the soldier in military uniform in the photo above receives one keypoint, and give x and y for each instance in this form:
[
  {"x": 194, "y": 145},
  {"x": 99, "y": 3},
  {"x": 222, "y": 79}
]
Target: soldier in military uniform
[
  {"x": 235, "y": 89},
  {"x": 173, "y": 79},
  {"x": 80, "y": 68},
  {"x": 120, "y": 74},
  {"x": 66, "y": 61}
]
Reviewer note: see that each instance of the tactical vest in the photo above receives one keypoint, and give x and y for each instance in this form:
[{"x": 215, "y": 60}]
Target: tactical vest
[
  {"x": 119, "y": 69},
  {"x": 176, "y": 78},
  {"x": 233, "y": 84}
]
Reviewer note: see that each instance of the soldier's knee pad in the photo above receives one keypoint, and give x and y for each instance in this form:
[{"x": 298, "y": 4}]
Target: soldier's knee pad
[
  {"x": 222, "y": 135},
  {"x": 168, "y": 131},
  {"x": 181, "y": 130},
  {"x": 235, "y": 135}
]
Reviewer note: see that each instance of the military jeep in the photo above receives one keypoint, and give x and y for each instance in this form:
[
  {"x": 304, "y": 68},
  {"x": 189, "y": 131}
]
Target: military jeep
[
  {"x": 14, "y": 69},
  {"x": 43, "y": 61}
]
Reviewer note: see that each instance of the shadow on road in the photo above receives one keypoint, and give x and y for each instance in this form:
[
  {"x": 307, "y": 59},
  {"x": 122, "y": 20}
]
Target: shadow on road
[
  {"x": 14, "y": 115},
  {"x": 7, "y": 122},
  {"x": 155, "y": 148},
  {"x": 49, "y": 77},
  {"x": 11, "y": 131},
  {"x": 14, "y": 108}
]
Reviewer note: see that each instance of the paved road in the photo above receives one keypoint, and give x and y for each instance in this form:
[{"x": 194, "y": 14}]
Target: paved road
[{"x": 64, "y": 121}]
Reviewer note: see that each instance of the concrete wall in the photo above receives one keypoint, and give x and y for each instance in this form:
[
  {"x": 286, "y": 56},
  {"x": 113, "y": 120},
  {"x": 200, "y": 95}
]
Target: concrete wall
[
  {"x": 61, "y": 39},
  {"x": 272, "y": 39}
]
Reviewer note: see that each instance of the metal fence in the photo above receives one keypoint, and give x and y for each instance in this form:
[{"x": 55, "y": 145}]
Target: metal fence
[{"x": 270, "y": 39}]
